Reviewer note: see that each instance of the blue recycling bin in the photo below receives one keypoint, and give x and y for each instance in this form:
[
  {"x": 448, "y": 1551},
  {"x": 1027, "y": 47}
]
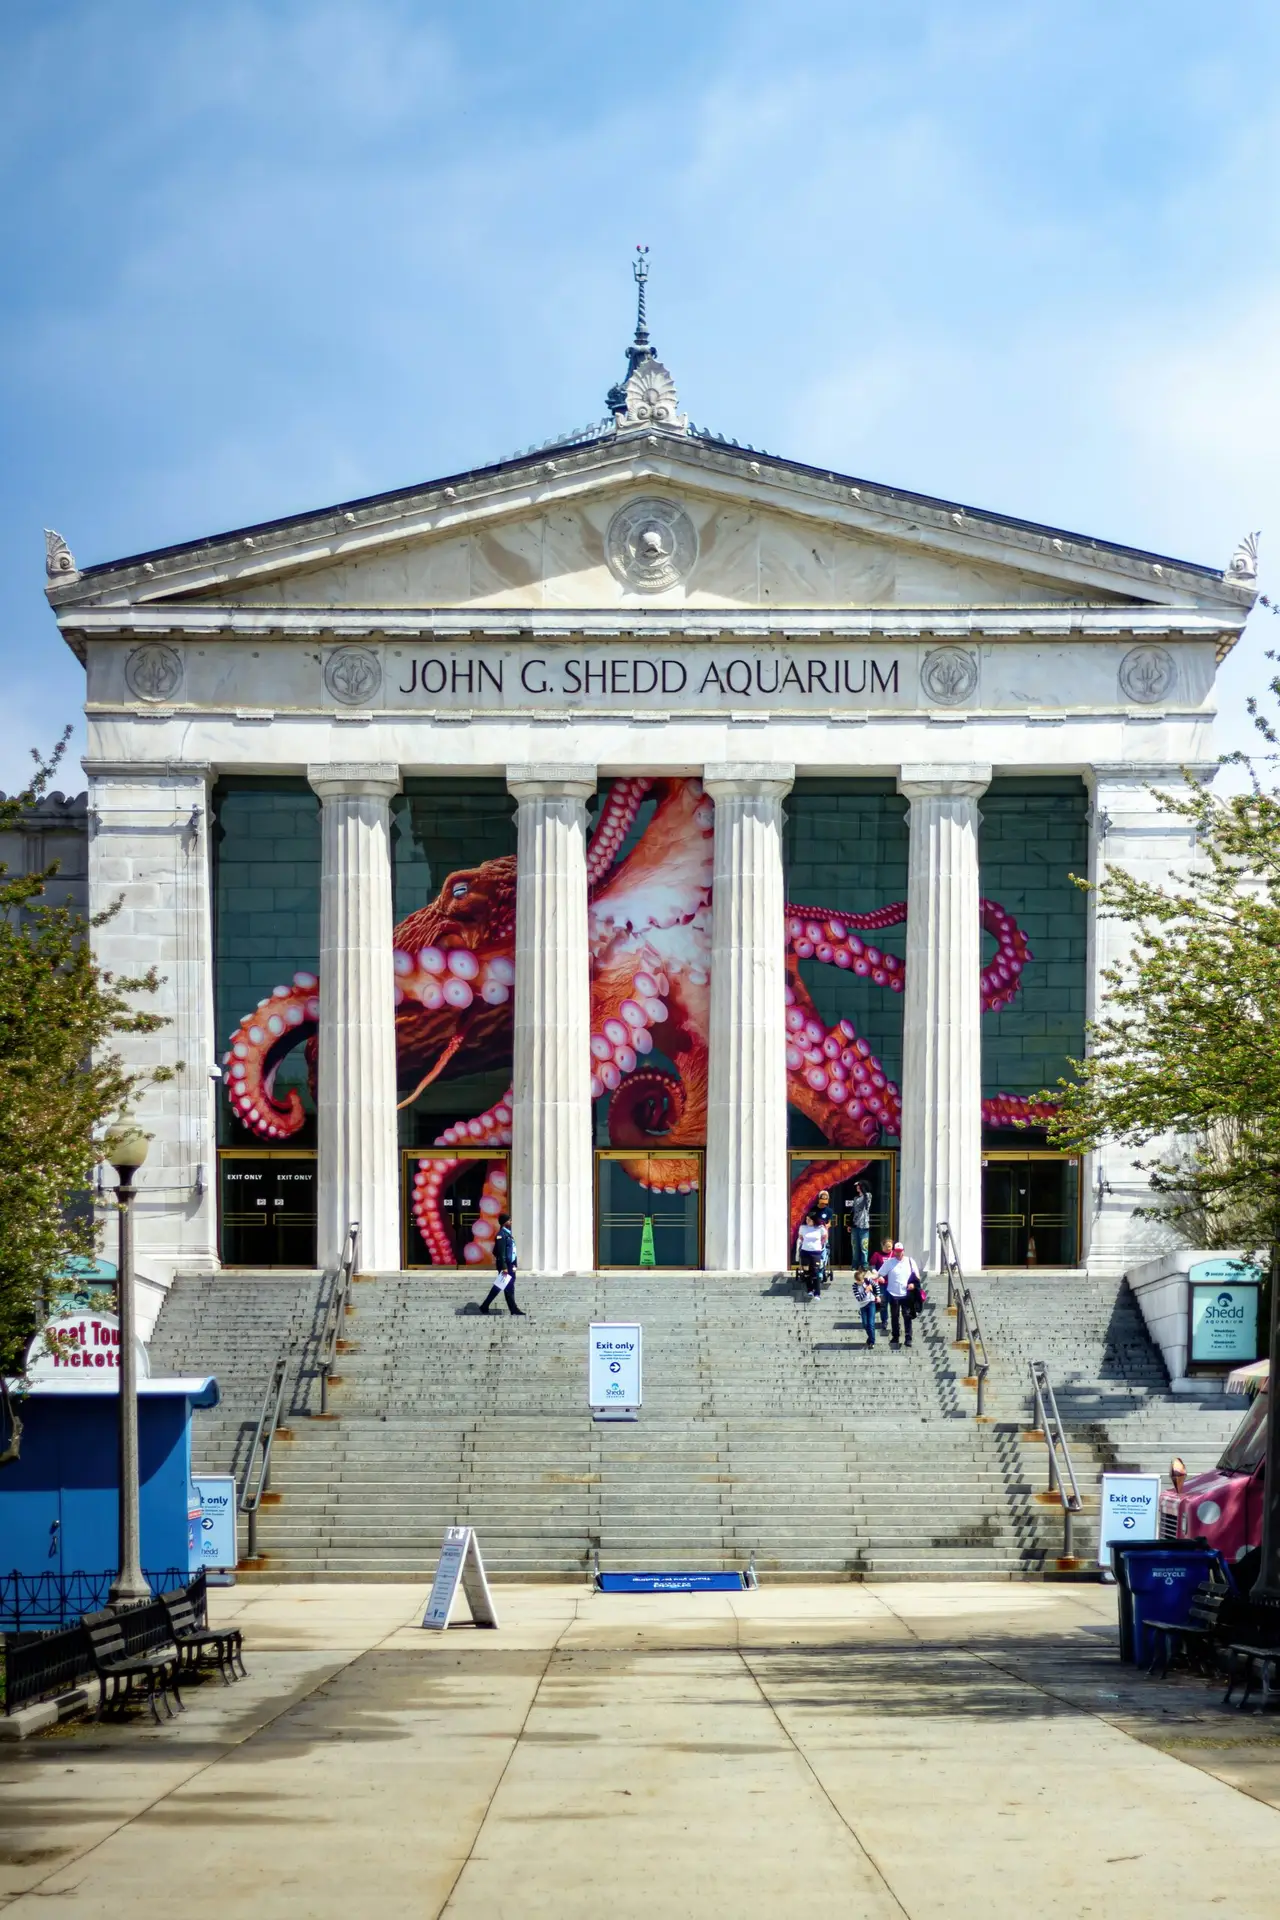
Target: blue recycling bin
[{"x": 1158, "y": 1582}]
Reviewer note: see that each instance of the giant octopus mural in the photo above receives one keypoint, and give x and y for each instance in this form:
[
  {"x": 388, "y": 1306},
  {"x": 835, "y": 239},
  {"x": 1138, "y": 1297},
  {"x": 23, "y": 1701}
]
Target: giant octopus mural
[{"x": 649, "y": 921}]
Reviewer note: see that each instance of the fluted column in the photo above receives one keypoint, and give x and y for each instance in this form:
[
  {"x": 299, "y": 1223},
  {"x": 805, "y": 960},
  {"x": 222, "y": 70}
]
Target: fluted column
[
  {"x": 941, "y": 1169},
  {"x": 551, "y": 1185},
  {"x": 357, "y": 1177},
  {"x": 745, "y": 1190}
]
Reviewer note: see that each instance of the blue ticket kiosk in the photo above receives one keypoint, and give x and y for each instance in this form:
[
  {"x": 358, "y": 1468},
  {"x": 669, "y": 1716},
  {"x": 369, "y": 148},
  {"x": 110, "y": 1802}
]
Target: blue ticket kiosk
[{"x": 59, "y": 1502}]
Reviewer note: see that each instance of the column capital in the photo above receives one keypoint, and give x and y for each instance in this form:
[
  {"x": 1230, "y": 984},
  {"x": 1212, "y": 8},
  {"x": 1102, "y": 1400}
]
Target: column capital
[
  {"x": 949, "y": 781},
  {"x": 764, "y": 779},
  {"x": 353, "y": 779},
  {"x": 551, "y": 780}
]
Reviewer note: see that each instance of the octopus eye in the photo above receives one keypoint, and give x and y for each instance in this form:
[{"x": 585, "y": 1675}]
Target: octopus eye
[{"x": 458, "y": 888}]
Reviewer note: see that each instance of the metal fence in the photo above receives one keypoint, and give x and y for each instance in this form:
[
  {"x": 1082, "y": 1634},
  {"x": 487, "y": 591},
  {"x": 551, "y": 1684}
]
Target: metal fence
[
  {"x": 39, "y": 1602},
  {"x": 39, "y": 1665}
]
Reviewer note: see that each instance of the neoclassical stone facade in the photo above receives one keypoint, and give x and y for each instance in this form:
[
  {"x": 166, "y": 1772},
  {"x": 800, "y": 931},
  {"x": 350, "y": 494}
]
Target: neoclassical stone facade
[{"x": 672, "y": 671}]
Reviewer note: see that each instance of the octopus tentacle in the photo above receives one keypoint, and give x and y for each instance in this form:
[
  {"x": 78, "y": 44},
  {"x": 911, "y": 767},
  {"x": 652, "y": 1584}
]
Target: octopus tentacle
[
  {"x": 455, "y": 977},
  {"x": 621, "y": 1038},
  {"x": 1003, "y": 977},
  {"x": 617, "y": 817},
  {"x": 431, "y": 1177},
  {"x": 258, "y": 1045},
  {"x": 1015, "y": 1110},
  {"x": 830, "y": 939},
  {"x": 834, "y": 1077}
]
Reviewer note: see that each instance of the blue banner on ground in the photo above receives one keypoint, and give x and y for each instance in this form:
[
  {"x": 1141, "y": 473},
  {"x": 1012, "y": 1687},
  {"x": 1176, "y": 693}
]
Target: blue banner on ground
[{"x": 669, "y": 1582}]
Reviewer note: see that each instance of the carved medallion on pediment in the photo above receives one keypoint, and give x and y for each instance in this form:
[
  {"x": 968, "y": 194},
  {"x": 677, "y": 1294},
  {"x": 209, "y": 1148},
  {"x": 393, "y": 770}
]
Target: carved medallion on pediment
[
  {"x": 353, "y": 675},
  {"x": 1147, "y": 674},
  {"x": 651, "y": 544},
  {"x": 153, "y": 672},
  {"x": 949, "y": 675}
]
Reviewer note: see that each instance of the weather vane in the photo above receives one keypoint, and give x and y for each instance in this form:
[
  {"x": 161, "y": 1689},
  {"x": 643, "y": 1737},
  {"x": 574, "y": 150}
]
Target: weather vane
[{"x": 640, "y": 268}]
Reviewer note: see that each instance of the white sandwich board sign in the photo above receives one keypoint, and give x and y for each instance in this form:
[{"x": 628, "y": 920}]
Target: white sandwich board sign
[
  {"x": 1128, "y": 1510},
  {"x": 614, "y": 1383},
  {"x": 460, "y": 1565}
]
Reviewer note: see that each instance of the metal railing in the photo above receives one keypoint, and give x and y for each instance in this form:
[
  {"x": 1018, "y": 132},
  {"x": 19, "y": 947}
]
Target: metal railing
[
  {"x": 256, "y": 1478},
  {"x": 1062, "y": 1472},
  {"x": 41, "y": 1602},
  {"x": 336, "y": 1313},
  {"x": 40, "y": 1665},
  {"x": 968, "y": 1326}
]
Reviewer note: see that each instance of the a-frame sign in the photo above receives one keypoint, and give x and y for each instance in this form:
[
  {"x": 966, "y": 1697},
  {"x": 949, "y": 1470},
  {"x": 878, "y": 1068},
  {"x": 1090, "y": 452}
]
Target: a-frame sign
[{"x": 460, "y": 1565}]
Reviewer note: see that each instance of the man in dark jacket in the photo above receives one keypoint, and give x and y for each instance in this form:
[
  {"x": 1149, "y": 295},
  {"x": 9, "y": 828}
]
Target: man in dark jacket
[{"x": 504, "y": 1259}]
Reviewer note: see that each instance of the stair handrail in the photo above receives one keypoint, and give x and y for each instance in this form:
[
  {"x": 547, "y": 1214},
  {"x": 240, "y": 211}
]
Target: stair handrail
[
  {"x": 336, "y": 1311},
  {"x": 256, "y": 1478},
  {"x": 968, "y": 1325},
  {"x": 1062, "y": 1472}
]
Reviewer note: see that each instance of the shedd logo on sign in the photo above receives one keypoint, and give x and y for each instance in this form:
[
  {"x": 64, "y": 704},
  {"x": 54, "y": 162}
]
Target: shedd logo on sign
[{"x": 1225, "y": 1307}]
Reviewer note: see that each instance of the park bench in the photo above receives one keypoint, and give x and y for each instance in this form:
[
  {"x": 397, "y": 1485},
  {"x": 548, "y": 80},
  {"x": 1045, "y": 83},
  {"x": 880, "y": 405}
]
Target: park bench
[
  {"x": 133, "y": 1655},
  {"x": 1249, "y": 1664},
  {"x": 196, "y": 1644},
  {"x": 1196, "y": 1636}
]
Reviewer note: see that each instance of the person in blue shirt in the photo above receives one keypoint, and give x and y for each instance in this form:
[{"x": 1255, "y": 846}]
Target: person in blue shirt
[{"x": 504, "y": 1259}]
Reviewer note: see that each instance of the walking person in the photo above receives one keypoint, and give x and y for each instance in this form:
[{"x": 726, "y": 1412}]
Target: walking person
[
  {"x": 504, "y": 1259},
  {"x": 879, "y": 1261},
  {"x": 897, "y": 1277},
  {"x": 811, "y": 1251},
  {"x": 860, "y": 1225},
  {"x": 864, "y": 1299},
  {"x": 822, "y": 1213}
]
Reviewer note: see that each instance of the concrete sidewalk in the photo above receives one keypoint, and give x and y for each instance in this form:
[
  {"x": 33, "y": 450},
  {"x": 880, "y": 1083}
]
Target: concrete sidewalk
[{"x": 849, "y": 1750}]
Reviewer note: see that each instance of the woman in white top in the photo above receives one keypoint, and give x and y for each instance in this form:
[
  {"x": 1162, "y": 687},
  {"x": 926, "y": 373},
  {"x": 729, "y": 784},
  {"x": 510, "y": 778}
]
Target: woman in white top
[{"x": 811, "y": 1247}]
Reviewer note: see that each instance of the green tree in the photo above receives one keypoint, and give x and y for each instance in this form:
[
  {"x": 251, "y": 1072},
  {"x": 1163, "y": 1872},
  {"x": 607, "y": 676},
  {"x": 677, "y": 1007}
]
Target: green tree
[
  {"x": 1188, "y": 1042},
  {"x": 61, "y": 1080}
]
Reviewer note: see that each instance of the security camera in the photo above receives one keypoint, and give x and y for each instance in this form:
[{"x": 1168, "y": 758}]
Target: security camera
[{"x": 215, "y": 1071}]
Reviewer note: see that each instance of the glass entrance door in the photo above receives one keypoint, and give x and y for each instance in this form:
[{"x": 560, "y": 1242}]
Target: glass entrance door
[
  {"x": 268, "y": 1208},
  {"x": 648, "y": 1208},
  {"x": 1030, "y": 1210},
  {"x": 809, "y": 1172},
  {"x": 452, "y": 1198}
]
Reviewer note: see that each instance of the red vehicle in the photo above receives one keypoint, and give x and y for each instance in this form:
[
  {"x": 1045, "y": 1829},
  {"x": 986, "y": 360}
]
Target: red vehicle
[{"x": 1223, "y": 1507}]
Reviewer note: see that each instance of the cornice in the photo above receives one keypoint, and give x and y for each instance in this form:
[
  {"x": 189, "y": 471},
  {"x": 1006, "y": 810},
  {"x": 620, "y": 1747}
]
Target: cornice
[
  {"x": 256, "y": 554},
  {"x": 329, "y": 624}
]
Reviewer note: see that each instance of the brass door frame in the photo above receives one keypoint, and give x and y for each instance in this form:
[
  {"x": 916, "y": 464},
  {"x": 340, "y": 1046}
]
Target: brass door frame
[
  {"x": 1020, "y": 1157},
  {"x": 258, "y": 1153},
  {"x": 438, "y": 1153},
  {"x": 631, "y": 1153},
  {"x": 810, "y": 1154}
]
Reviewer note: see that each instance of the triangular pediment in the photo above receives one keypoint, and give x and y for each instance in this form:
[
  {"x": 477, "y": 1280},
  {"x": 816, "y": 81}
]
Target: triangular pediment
[{"x": 649, "y": 521}]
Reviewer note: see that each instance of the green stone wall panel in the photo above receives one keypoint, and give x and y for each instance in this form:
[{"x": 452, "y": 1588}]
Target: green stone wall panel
[
  {"x": 266, "y": 913},
  {"x": 1034, "y": 836},
  {"x": 845, "y": 849}
]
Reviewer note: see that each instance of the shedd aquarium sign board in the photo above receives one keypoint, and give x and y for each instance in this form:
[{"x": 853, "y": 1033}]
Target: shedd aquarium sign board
[
  {"x": 613, "y": 1371},
  {"x": 1224, "y": 1312}
]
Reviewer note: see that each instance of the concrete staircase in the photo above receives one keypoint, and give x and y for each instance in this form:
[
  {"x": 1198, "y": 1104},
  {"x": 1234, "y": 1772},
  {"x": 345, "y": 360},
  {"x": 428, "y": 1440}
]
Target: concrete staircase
[{"x": 767, "y": 1428}]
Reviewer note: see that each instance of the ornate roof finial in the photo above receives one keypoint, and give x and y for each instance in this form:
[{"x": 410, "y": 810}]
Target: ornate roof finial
[
  {"x": 1242, "y": 568},
  {"x": 640, "y": 268},
  {"x": 646, "y": 395},
  {"x": 59, "y": 562}
]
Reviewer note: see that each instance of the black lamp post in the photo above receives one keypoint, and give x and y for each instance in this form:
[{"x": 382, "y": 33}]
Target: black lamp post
[{"x": 126, "y": 1151}]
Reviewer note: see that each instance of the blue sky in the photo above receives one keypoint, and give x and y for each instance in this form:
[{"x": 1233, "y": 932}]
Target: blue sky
[{"x": 261, "y": 255}]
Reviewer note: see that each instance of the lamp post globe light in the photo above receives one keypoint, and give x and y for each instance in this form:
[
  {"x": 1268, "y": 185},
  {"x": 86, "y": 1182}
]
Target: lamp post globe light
[{"x": 126, "y": 1150}]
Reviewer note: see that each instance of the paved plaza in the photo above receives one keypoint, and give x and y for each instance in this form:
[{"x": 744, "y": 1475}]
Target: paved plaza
[{"x": 908, "y": 1749}]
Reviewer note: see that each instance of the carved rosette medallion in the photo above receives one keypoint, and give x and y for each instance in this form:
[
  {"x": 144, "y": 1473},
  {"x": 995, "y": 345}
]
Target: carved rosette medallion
[
  {"x": 651, "y": 545},
  {"x": 949, "y": 676},
  {"x": 153, "y": 672},
  {"x": 1147, "y": 674},
  {"x": 353, "y": 675}
]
